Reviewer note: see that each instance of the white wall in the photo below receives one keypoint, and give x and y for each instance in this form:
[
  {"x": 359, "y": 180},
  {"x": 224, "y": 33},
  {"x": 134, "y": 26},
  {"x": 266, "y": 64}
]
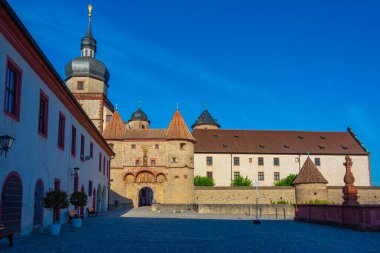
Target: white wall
[
  {"x": 331, "y": 167},
  {"x": 34, "y": 157}
]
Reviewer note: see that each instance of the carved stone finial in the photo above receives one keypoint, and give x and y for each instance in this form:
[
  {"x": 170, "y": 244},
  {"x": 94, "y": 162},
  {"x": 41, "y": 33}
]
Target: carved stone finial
[{"x": 349, "y": 190}]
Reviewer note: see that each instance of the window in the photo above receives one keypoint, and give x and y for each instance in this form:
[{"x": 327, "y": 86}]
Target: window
[
  {"x": 43, "y": 114},
  {"x": 260, "y": 161},
  {"x": 108, "y": 118},
  {"x": 76, "y": 183},
  {"x": 209, "y": 174},
  {"x": 91, "y": 150},
  {"x": 156, "y": 146},
  {"x": 61, "y": 130},
  {"x": 261, "y": 176},
  {"x": 276, "y": 176},
  {"x": 209, "y": 160},
  {"x": 182, "y": 146},
  {"x": 174, "y": 159},
  {"x": 236, "y": 174},
  {"x": 236, "y": 161},
  {"x": 100, "y": 162},
  {"x": 133, "y": 146},
  {"x": 250, "y": 160},
  {"x": 89, "y": 188},
  {"x": 276, "y": 161},
  {"x": 73, "y": 140},
  {"x": 80, "y": 85},
  {"x": 137, "y": 163},
  {"x": 317, "y": 161},
  {"x": 153, "y": 162},
  {"x": 82, "y": 147},
  {"x": 104, "y": 165},
  {"x": 12, "y": 90}
]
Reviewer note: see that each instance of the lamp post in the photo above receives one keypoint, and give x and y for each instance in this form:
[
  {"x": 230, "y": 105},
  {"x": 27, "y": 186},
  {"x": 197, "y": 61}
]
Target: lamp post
[
  {"x": 76, "y": 172},
  {"x": 257, "y": 221},
  {"x": 6, "y": 142}
]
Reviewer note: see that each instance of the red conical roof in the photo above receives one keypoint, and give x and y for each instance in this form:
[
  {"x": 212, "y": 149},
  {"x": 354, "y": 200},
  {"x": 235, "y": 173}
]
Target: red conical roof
[
  {"x": 116, "y": 128},
  {"x": 309, "y": 174},
  {"x": 178, "y": 129}
]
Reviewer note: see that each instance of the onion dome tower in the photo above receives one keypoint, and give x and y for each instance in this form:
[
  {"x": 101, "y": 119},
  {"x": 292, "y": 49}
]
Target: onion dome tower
[
  {"x": 87, "y": 78},
  {"x": 139, "y": 120},
  {"x": 205, "y": 121}
]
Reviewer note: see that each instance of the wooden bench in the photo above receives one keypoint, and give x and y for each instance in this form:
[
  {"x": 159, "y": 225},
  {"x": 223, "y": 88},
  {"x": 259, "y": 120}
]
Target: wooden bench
[
  {"x": 91, "y": 212},
  {"x": 4, "y": 233},
  {"x": 74, "y": 214}
]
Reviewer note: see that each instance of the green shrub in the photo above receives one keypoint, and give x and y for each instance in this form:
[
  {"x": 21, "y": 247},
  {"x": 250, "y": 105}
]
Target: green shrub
[
  {"x": 319, "y": 202},
  {"x": 281, "y": 202},
  {"x": 203, "y": 181},
  {"x": 241, "y": 181},
  {"x": 78, "y": 199},
  {"x": 288, "y": 181},
  {"x": 55, "y": 199}
]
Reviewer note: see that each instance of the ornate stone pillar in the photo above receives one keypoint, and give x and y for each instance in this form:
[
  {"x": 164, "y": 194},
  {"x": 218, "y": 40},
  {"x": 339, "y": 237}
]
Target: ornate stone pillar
[{"x": 349, "y": 190}]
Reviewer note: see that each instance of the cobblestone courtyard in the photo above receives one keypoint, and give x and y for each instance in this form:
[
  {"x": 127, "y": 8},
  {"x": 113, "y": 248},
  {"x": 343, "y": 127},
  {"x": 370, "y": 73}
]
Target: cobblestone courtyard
[{"x": 141, "y": 231}]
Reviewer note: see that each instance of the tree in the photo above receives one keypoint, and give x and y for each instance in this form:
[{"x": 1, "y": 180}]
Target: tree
[
  {"x": 288, "y": 181},
  {"x": 203, "y": 181},
  {"x": 78, "y": 199},
  {"x": 241, "y": 181},
  {"x": 55, "y": 199}
]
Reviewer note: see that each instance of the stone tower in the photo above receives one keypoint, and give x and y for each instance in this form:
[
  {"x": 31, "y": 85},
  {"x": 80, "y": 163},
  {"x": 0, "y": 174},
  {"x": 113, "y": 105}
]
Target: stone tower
[
  {"x": 180, "y": 147},
  {"x": 87, "y": 78},
  {"x": 139, "y": 120},
  {"x": 205, "y": 121},
  {"x": 310, "y": 184}
]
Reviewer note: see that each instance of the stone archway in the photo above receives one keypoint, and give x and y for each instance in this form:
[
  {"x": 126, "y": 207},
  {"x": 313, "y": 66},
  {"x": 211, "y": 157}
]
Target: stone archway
[{"x": 145, "y": 196}]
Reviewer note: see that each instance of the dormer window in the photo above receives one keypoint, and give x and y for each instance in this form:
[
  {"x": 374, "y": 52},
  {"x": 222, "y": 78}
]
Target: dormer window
[
  {"x": 322, "y": 138},
  {"x": 236, "y": 136},
  {"x": 321, "y": 147},
  {"x": 261, "y": 146},
  {"x": 286, "y": 146},
  {"x": 215, "y": 136},
  {"x": 344, "y": 147},
  {"x": 300, "y": 137}
]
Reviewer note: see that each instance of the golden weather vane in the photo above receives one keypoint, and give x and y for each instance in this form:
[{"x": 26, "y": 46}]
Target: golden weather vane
[{"x": 90, "y": 10}]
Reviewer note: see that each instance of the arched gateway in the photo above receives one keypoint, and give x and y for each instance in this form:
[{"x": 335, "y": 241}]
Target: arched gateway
[{"x": 145, "y": 196}]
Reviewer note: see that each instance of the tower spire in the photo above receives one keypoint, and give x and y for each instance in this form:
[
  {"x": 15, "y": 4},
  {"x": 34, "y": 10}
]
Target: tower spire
[{"x": 88, "y": 43}]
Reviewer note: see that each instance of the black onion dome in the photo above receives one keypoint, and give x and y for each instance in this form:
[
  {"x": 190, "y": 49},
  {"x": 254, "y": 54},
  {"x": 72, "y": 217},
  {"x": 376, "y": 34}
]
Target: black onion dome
[
  {"x": 139, "y": 115},
  {"x": 87, "y": 66},
  {"x": 205, "y": 119}
]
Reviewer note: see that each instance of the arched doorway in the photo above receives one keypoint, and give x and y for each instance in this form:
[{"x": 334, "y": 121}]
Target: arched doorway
[
  {"x": 94, "y": 199},
  {"x": 38, "y": 208},
  {"x": 145, "y": 196},
  {"x": 104, "y": 198},
  {"x": 99, "y": 199},
  {"x": 12, "y": 202}
]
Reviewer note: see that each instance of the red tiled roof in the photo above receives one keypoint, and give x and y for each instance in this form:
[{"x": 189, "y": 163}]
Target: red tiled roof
[
  {"x": 309, "y": 174},
  {"x": 178, "y": 129},
  {"x": 116, "y": 128},
  {"x": 276, "y": 142}
]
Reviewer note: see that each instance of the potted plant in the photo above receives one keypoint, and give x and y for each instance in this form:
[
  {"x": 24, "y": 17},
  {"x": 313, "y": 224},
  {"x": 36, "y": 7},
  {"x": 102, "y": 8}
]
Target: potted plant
[
  {"x": 78, "y": 199},
  {"x": 55, "y": 200}
]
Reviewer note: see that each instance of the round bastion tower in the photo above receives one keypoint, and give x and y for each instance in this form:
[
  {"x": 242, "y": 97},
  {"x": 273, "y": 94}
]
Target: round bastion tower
[{"x": 180, "y": 150}]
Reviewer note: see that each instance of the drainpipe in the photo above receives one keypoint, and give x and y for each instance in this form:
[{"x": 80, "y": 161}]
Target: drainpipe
[
  {"x": 231, "y": 169},
  {"x": 299, "y": 162},
  {"x": 109, "y": 182}
]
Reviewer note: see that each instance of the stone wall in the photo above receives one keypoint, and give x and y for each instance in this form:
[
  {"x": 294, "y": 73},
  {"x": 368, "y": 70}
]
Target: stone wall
[
  {"x": 268, "y": 195},
  {"x": 243, "y": 195}
]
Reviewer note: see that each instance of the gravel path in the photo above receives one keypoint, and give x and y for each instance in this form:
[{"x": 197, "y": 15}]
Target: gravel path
[{"x": 142, "y": 231}]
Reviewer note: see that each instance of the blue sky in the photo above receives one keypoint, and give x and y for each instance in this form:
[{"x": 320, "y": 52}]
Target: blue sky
[{"x": 278, "y": 65}]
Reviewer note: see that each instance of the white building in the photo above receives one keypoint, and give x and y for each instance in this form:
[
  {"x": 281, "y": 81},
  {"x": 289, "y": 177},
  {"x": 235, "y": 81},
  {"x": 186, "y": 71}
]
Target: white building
[
  {"x": 53, "y": 135},
  {"x": 268, "y": 156}
]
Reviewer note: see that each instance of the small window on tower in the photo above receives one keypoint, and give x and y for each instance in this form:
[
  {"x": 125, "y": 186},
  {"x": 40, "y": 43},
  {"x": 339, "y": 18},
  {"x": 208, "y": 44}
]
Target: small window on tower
[
  {"x": 153, "y": 162},
  {"x": 182, "y": 146},
  {"x": 108, "y": 118},
  {"x": 174, "y": 159},
  {"x": 133, "y": 146},
  {"x": 137, "y": 163},
  {"x": 80, "y": 85},
  {"x": 156, "y": 146}
]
